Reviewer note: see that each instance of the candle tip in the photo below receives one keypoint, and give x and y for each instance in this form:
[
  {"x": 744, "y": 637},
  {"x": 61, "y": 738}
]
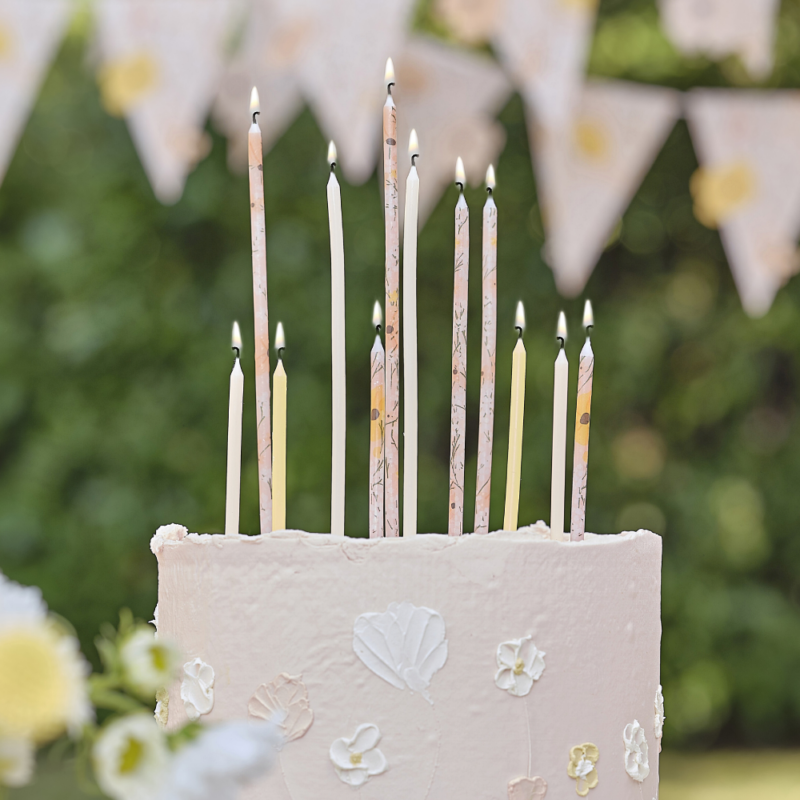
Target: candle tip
[
  {"x": 461, "y": 177},
  {"x": 519, "y": 319},
  {"x": 236, "y": 339},
  {"x": 377, "y": 315},
  {"x": 280, "y": 338},
  {"x": 491, "y": 182},
  {"x": 331, "y": 153},
  {"x": 588, "y": 316},
  {"x": 255, "y": 103},
  {"x": 413, "y": 143},
  {"x": 561, "y": 331},
  {"x": 388, "y": 76}
]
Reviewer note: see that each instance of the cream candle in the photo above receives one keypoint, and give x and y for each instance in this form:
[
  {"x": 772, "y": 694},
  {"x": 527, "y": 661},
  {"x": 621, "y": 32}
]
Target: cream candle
[
  {"x": 279, "y": 407},
  {"x": 338, "y": 363},
  {"x": 376, "y": 428},
  {"x": 559, "y": 463},
  {"x": 234, "y": 473},
  {"x": 513, "y": 473}
]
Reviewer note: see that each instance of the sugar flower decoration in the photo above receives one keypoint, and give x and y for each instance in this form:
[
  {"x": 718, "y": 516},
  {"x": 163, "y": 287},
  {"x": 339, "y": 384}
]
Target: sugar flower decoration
[
  {"x": 519, "y": 663},
  {"x": 527, "y": 789},
  {"x": 660, "y": 717},
  {"x": 356, "y": 760},
  {"x": 582, "y": 767},
  {"x": 149, "y": 664},
  {"x": 635, "y": 751},
  {"x": 197, "y": 688},
  {"x": 284, "y": 698},
  {"x": 17, "y": 758}
]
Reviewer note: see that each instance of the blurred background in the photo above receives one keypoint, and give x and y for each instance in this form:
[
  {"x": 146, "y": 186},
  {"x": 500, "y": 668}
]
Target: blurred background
[{"x": 116, "y": 310}]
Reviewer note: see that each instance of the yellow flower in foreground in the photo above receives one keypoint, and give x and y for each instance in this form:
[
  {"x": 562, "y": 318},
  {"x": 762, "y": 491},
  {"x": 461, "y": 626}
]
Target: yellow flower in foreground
[
  {"x": 17, "y": 758},
  {"x": 149, "y": 663},
  {"x": 719, "y": 192},
  {"x": 42, "y": 682},
  {"x": 581, "y": 767},
  {"x": 126, "y": 81}
]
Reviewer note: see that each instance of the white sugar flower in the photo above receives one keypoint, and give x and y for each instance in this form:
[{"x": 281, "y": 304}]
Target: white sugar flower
[
  {"x": 635, "y": 751},
  {"x": 356, "y": 760},
  {"x": 221, "y": 760},
  {"x": 131, "y": 758},
  {"x": 660, "y": 717},
  {"x": 149, "y": 663},
  {"x": 197, "y": 688},
  {"x": 520, "y": 663},
  {"x": 17, "y": 758},
  {"x": 20, "y": 605}
]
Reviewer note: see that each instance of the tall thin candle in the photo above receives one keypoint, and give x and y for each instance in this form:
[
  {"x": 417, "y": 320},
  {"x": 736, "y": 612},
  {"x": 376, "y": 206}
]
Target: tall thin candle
[
  {"x": 411, "y": 393},
  {"x": 339, "y": 410},
  {"x": 559, "y": 466},
  {"x": 377, "y": 422},
  {"x": 514, "y": 471},
  {"x": 260, "y": 314},
  {"x": 483, "y": 484},
  {"x": 234, "y": 475},
  {"x": 279, "y": 406},
  {"x": 583, "y": 418},
  {"x": 392, "y": 224},
  {"x": 458, "y": 403}
]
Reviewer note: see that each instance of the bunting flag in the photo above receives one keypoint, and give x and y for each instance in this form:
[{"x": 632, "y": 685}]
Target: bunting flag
[
  {"x": 30, "y": 33},
  {"x": 748, "y": 184},
  {"x": 544, "y": 45},
  {"x": 450, "y": 97},
  {"x": 588, "y": 171},
  {"x": 160, "y": 64},
  {"x": 718, "y": 28}
]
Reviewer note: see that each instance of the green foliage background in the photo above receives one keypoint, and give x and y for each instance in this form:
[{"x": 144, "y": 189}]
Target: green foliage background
[{"x": 115, "y": 317}]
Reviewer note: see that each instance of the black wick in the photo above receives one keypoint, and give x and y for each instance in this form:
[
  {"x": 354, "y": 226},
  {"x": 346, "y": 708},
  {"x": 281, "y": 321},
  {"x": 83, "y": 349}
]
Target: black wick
[{"x": 255, "y": 114}]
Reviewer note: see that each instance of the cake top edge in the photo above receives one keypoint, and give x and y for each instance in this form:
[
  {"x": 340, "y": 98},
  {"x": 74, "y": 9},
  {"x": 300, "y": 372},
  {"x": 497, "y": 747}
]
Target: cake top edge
[{"x": 174, "y": 534}]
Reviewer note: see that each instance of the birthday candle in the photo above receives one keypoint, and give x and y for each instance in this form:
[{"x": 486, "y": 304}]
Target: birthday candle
[
  {"x": 514, "y": 470},
  {"x": 279, "y": 406},
  {"x": 458, "y": 403},
  {"x": 234, "y": 474},
  {"x": 583, "y": 418},
  {"x": 559, "y": 465},
  {"x": 376, "y": 428}
]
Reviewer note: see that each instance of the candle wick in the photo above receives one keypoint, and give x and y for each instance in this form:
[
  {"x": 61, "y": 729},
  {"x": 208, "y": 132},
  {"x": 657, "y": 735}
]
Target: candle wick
[
  {"x": 333, "y": 166},
  {"x": 489, "y": 191},
  {"x": 562, "y": 343},
  {"x": 280, "y": 353},
  {"x": 389, "y": 88},
  {"x": 460, "y": 186},
  {"x": 519, "y": 331},
  {"x": 414, "y": 159},
  {"x": 255, "y": 114}
]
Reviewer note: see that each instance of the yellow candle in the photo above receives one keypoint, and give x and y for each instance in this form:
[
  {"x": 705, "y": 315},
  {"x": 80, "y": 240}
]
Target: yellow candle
[
  {"x": 515, "y": 426},
  {"x": 233, "y": 479},
  {"x": 279, "y": 436}
]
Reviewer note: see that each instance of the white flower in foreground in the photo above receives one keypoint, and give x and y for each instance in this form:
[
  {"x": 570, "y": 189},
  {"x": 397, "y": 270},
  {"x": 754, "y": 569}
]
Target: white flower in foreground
[
  {"x": 660, "y": 717},
  {"x": 17, "y": 758},
  {"x": 131, "y": 758},
  {"x": 20, "y": 604},
  {"x": 635, "y": 751},
  {"x": 150, "y": 664},
  {"x": 356, "y": 760},
  {"x": 197, "y": 688},
  {"x": 221, "y": 760},
  {"x": 520, "y": 664}
]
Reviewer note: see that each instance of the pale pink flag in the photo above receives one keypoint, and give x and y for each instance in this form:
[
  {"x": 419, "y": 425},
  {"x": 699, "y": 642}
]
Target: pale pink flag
[
  {"x": 588, "y": 170},
  {"x": 544, "y": 44},
  {"x": 30, "y": 33},
  {"x": 451, "y": 96},
  {"x": 748, "y": 184},
  {"x": 160, "y": 64},
  {"x": 718, "y": 28}
]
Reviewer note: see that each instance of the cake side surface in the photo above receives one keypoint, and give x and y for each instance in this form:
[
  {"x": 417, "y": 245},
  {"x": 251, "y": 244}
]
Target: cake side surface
[{"x": 255, "y": 608}]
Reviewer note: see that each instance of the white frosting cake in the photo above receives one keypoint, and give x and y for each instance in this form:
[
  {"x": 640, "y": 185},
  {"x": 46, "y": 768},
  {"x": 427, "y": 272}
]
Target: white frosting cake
[{"x": 430, "y": 668}]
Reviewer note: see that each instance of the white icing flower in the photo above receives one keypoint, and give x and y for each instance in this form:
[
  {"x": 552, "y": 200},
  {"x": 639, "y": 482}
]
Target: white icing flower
[
  {"x": 356, "y": 760},
  {"x": 167, "y": 533},
  {"x": 148, "y": 664},
  {"x": 636, "y": 764},
  {"x": 660, "y": 717},
  {"x": 17, "y": 758},
  {"x": 520, "y": 664},
  {"x": 404, "y": 645},
  {"x": 197, "y": 688},
  {"x": 131, "y": 758},
  {"x": 221, "y": 760}
]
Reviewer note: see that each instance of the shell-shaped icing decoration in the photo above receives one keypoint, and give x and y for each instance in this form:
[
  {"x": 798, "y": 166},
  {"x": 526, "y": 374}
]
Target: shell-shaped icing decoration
[
  {"x": 284, "y": 698},
  {"x": 527, "y": 789},
  {"x": 405, "y": 645},
  {"x": 197, "y": 688}
]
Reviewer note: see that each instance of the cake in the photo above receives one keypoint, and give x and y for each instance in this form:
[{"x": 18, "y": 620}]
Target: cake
[{"x": 425, "y": 668}]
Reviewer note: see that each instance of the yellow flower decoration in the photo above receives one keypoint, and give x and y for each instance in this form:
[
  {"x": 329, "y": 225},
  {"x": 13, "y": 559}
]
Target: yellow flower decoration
[
  {"x": 581, "y": 767},
  {"x": 719, "y": 192},
  {"x": 126, "y": 81},
  {"x": 583, "y": 418},
  {"x": 591, "y": 139}
]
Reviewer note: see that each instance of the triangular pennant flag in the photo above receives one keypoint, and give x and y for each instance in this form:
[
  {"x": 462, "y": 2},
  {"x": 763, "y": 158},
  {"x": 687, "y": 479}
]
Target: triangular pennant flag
[
  {"x": 30, "y": 33},
  {"x": 718, "y": 28},
  {"x": 161, "y": 61},
  {"x": 342, "y": 67},
  {"x": 544, "y": 44},
  {"x": 450, "y": 97},
  {"x": 266, "y": 58},
  {"x": 748, "y": 184},
  {"x": 588, "y": 171}
]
